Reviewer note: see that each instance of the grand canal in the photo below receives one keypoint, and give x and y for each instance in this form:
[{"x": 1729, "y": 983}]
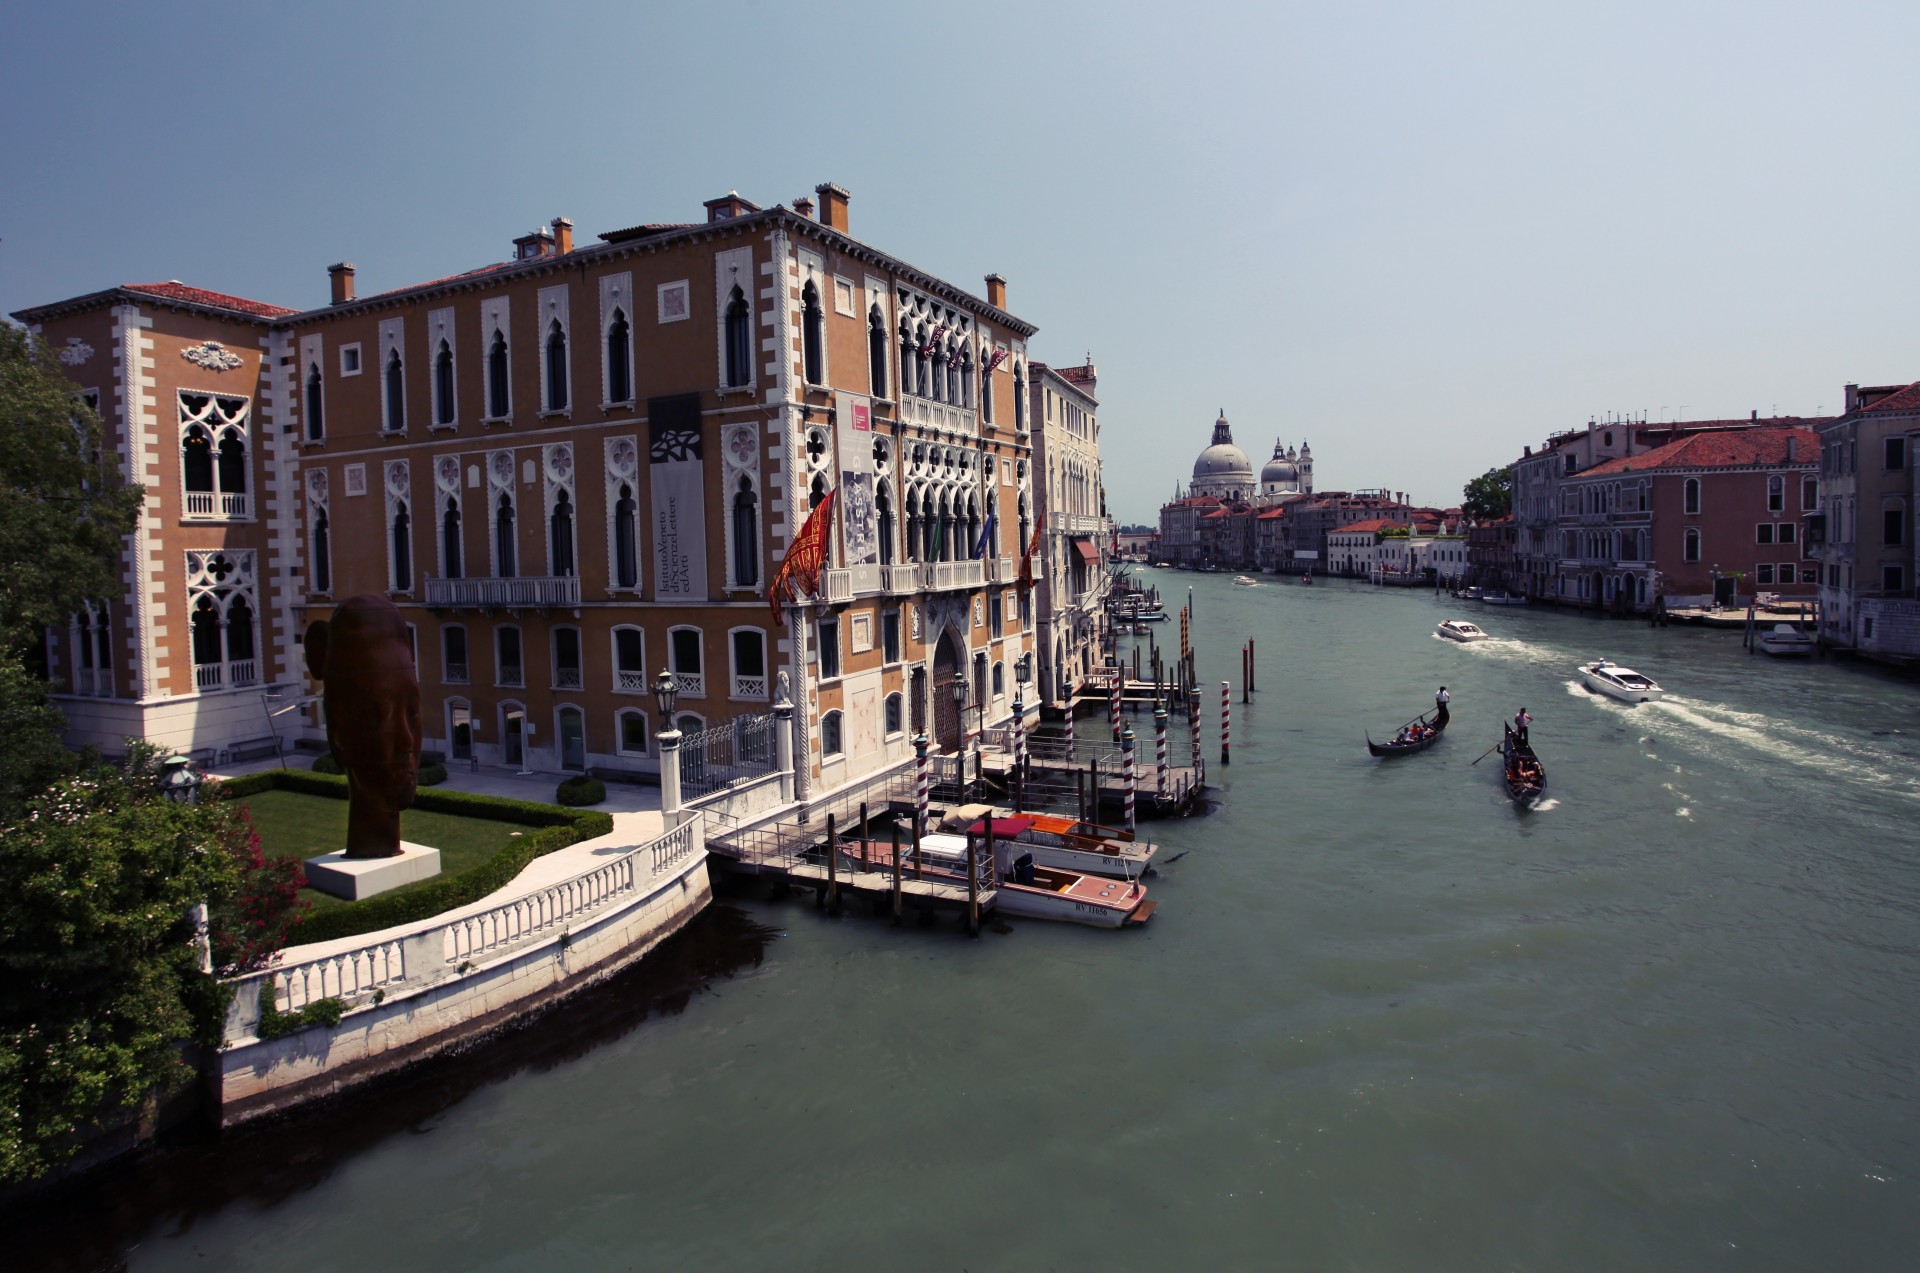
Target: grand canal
[{"x": 1381, "y": 1021}]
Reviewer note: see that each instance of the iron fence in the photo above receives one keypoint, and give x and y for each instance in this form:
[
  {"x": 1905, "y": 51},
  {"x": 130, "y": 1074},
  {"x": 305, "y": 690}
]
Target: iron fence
[{"x": 726, "y": 755}]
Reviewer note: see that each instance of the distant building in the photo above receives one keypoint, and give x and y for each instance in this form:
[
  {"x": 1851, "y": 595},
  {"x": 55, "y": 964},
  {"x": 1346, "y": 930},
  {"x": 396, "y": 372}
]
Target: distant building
[
  {"x": 1861, "y": 533},
  {"x": 1214, "y": 521}
]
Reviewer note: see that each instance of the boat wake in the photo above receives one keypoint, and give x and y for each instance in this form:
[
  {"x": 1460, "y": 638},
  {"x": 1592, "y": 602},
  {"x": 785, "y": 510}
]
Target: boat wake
[
  {"x": 1779, "y": 740},
  {"x": 1545, "y": 803}
]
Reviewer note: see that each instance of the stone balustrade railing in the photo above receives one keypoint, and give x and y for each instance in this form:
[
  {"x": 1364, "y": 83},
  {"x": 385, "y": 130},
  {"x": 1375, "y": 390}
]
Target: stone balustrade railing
[{"x": 424, "y": 954}]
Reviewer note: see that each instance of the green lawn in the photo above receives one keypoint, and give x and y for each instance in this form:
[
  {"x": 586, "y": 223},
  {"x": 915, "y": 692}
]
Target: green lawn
[{"x": 293, "y": 824}]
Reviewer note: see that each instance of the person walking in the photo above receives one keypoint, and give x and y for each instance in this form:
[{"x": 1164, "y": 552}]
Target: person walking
[
  {"x": 1440, "y": 702},
  {"x": 1520, "y": 722}
]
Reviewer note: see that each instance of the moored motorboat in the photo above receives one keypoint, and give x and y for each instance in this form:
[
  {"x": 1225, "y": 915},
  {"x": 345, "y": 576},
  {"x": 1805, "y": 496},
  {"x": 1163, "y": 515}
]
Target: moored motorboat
[
  {"x": 1503, "y": 599},
  {"x": 1020, "y": 885},
  {"x": 1068, "y": 844},
  {"x": 1470, "y": 594},
  {"x": 1524, "y": 775},
  {"x": 1787, "y": 641},
  {"x": 1416, "y": 735},
  {"x": 1460, "y": 630},
  {"x": 1623, "y": 683}
]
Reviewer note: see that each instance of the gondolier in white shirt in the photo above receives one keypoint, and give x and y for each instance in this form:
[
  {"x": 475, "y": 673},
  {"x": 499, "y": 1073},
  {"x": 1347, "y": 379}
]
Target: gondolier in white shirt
[
  {"x": 1520, "y": 722},
  {"x": 1440, "y": 701}
]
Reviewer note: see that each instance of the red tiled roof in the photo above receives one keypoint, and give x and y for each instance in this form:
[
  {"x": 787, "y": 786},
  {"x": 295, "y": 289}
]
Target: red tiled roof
[
  {"x": 1907, "y": 399},
  {"x": 482, "y": 272},
  {"x": 174, "y": 290},
  {"x": 632, "y": 232},
  {"x": 1732, "y": 449},
  {"x": 1079, "y": 375},
  {"x": 1375, "y": 525}
]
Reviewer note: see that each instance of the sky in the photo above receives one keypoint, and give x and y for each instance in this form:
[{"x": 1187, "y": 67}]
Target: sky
[{"x": 1416, "y": 236}]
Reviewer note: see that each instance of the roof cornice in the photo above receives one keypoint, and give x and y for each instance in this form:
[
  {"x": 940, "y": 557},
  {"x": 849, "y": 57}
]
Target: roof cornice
[{"x": 123, "y": 296}]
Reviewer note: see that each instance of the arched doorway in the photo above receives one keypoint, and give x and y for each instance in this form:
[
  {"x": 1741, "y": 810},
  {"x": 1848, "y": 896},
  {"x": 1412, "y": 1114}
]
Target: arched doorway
[{"x": 948, "y": 671}]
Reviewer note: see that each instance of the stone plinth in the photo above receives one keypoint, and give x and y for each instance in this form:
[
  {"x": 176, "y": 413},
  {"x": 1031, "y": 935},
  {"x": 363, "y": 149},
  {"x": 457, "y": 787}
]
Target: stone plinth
[{"x": 355, "y": 878}]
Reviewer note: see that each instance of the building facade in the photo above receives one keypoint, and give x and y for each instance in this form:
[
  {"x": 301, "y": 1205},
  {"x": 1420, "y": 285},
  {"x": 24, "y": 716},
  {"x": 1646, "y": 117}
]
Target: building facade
[
  {"x": 571, "y": 470},
  {"x": 1862, "y": 536},
  {"x": 1070, "y": 592}
]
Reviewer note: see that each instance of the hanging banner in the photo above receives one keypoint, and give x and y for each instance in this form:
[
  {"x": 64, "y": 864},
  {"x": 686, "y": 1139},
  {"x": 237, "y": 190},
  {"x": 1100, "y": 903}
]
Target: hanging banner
[
  {"x": 677, "y": 470},
  {"x": 859, "y": 515}
]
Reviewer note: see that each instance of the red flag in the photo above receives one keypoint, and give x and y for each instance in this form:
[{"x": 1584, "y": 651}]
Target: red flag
[
  {"x": 1033, "y": 546},
  {"x": 801, "y": 566}
]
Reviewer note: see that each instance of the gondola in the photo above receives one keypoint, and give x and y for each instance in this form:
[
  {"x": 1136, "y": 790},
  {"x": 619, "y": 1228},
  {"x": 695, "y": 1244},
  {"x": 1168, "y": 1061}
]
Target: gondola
[
  {"x": 1433, "y": 729},
  {"x": 1523, "y": 773}
]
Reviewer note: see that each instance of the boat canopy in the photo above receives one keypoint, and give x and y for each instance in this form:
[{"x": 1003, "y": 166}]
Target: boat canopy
[{"x": 1002, "y": 826}]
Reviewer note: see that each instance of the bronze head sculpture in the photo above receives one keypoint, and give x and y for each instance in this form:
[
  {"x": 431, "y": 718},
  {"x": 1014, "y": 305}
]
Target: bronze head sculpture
[{"x": 364, "y": 658}]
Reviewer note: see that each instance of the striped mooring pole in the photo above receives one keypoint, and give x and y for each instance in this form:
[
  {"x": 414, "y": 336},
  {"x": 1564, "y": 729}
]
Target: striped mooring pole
[
  {"x": 1126, "y": 754},
  {"x": 1113, "y": 699},
  {"x": 1160, "y": 744},
  {"x": 1226, "y": 722},
  {"x": 923, "y": 772},
  {"x": 1019, "y": 781},
  {"x": 1193, "y": 732}
]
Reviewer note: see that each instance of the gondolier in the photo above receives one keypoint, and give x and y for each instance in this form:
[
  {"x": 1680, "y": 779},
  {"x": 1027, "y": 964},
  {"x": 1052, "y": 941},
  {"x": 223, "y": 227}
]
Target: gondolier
[
  {"x": 1520, "y": 722},
  {"x": 1440, "y": 701}
]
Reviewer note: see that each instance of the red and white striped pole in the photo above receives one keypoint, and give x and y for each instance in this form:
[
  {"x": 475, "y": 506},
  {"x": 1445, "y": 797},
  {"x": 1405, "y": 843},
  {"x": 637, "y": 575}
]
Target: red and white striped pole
[
  {"x": 1160, "y": 745},
  {"x": 923, "y": 771},
  {"x": 1226, "y": 722},
  {"x": 1113, "y": 699},
  {"x": 1126, "y": 754},
  {"x": 1193, "y": 732}
]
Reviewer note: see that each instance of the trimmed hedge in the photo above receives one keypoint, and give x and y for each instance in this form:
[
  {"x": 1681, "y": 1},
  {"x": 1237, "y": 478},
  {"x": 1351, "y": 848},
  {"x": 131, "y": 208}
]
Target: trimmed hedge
[
  {"x": 579, "y": 791},
  {"x": 325, "y": 764},
  {"x": 557, "y": 829},
  {"x": 432, "y": 775}
]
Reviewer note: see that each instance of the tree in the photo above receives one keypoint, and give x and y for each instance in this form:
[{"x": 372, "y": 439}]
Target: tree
[
  {"x": 63, "y": 509},
  {"x": 1489, "y": 496},
  {"x": 100, "y": 977}
]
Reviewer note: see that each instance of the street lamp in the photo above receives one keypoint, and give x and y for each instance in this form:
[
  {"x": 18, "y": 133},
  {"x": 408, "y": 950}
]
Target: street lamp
[
  {"x": 960, "y": 707},
  {"x": 179, "y": 783},
  {"x": 666, "y": 691}
]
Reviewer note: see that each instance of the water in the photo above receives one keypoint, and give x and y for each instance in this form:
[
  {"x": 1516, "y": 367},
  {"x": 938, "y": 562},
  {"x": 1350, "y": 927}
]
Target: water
[{"x": 1381, "y": 1020}]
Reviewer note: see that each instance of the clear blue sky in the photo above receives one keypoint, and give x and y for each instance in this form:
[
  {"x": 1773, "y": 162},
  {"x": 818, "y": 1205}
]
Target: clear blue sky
[{"x": 1418, "y": 236}]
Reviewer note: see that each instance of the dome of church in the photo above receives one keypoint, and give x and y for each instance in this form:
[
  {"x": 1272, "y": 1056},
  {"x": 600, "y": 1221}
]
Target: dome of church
[
  {"x": 1222, "y": 464},
  {"x": 1280, "y": 470}
]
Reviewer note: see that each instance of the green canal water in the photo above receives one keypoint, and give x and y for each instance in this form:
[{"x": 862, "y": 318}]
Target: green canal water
[{"x": 1381, "y": 1021}]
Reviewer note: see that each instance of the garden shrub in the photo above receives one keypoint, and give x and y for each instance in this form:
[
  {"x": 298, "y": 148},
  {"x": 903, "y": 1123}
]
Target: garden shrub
[
  {"x": 326, "y": 764},
  {"x": 432, "y": 775},
  {"x": 275, "y": 1023},
  {"x": 579, "y": 791}
]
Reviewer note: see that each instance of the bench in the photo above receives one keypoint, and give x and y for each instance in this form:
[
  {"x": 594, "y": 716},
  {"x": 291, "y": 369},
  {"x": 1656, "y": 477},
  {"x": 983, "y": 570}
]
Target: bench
[{"x": 249, "y": 749}]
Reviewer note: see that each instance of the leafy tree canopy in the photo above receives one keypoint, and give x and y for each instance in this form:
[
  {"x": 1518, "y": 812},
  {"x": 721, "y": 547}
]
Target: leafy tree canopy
[
  {"x": 63, "y": 509},
  {"x": 99, "y": 970},
  {"x": 1489, "y": 496}
]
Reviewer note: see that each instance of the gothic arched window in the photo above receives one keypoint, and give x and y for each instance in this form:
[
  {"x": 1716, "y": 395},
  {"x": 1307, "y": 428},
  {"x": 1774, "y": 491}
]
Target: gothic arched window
[
  {"x": 877, "y": 353},
  {"x": 505, "y": 559},
  {"x": 560, "y": 528},
  {"x": 619, "y": 359},
  {"x": 450, "y": 538},
  {"x": 556, "y": 366},
  {"x": 316, "y": 418},
  {"x": 739, "y": 346},
  {"x": 443, "y": 385},
  {"x": 402, "y": 550},
  {"x": 396, "y": 387},
  {"x": 498, "y": 403},
  {"x": 746, "y": 536},
  {"x": 322, "y": 554},
  {"x": 233, "y": 463},
  {"x": 813, "y": 336},
  {"x": 626, "y": 554}
]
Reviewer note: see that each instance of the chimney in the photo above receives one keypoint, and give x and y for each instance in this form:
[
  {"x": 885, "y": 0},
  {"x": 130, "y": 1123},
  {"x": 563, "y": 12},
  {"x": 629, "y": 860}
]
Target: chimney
[
  {"x": 1853, "y": 399},
  {"x": 1791, "y": 448},
  {"x": 563, "y": 234},
  {"x": 833, "y": 206},
  {"x": 804, "y": 206},
  {"x": 996, "y": 291},
  {"x": 342, "y": 278}
]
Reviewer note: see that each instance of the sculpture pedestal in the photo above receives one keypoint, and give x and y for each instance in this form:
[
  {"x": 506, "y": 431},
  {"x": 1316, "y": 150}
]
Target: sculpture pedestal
[{"x": 356, "y": 878}]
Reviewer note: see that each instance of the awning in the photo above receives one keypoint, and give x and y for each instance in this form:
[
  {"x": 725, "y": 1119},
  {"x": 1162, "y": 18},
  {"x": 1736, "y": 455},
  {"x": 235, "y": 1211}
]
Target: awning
[
  {"x": 1001, "y": 826},
  {"x": 1083, "y": 544}
]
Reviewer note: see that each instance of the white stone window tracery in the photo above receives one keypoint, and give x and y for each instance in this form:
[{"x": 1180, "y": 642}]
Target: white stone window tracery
[
  {"x": 222, "y": 618},
  {"x": 214, "y": 459}
]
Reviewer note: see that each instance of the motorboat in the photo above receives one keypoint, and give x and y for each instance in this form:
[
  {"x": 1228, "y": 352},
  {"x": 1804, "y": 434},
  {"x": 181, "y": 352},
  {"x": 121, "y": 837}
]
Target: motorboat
[
  {"x": 1245, "y": 582},
  {"x": 1020, "y": 885},
  {"x": 1605, "y": 677},
  {"x": 1503, "y": 599},
  {"x": 1460, "y": 630},
  {"x": 1787, "y": 641},
  {"x": 1470, "y": 594},
  {"x": 1163, "y": 565},
  {"x": 1060, "y": 842}
]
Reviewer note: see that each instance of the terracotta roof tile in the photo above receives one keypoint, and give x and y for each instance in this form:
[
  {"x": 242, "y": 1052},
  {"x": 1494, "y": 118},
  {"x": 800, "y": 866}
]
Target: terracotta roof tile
[
  {"x": 1732, "y": 449},
  {"x": 1907, "y": 399},
  {"x": 1375, "y": 525},
  {"x": 174, "y": 290}
]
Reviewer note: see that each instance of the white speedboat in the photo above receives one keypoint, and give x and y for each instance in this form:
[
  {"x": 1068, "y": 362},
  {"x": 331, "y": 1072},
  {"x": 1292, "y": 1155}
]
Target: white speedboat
[
  {"x": 1060, "y": 842},
  {"x": 1245, "y": 582},
  {"x": 1460, "y": 630},
  {"x": 1787, "y": 641},
  {"x": 1623, "y": 683},
  {"x": 1504, "y": 599},
  {"x": 1470, "y": 594}
]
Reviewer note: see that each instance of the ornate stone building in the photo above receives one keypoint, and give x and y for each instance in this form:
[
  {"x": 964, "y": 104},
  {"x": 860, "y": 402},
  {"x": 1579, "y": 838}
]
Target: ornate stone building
[{"x": 570, "y": 469}]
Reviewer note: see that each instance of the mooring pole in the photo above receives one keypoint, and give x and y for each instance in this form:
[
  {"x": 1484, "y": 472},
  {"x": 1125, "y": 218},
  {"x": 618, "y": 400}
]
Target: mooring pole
[
  {"x": 924, "y": 777},
  {"x": 1246, "y": 677},
  {"x": 1126, "y": 756},
  {"x": 1093, "y": 790},
  {"x": 1019, "y": 751},
  {"x": 973, "y": 879},
  {"x": 1226, "y": 722},
  {"x": 896, "y": 870},
  {"x": 1193, "y": 732},
  {"x": 1113, "y": 699},
  {"x": 866, "y": 861},
  {"x": 1160, "y": 745},
  {"x": 833, "y": 872},
  {"x": 1251, "y": 682}
]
